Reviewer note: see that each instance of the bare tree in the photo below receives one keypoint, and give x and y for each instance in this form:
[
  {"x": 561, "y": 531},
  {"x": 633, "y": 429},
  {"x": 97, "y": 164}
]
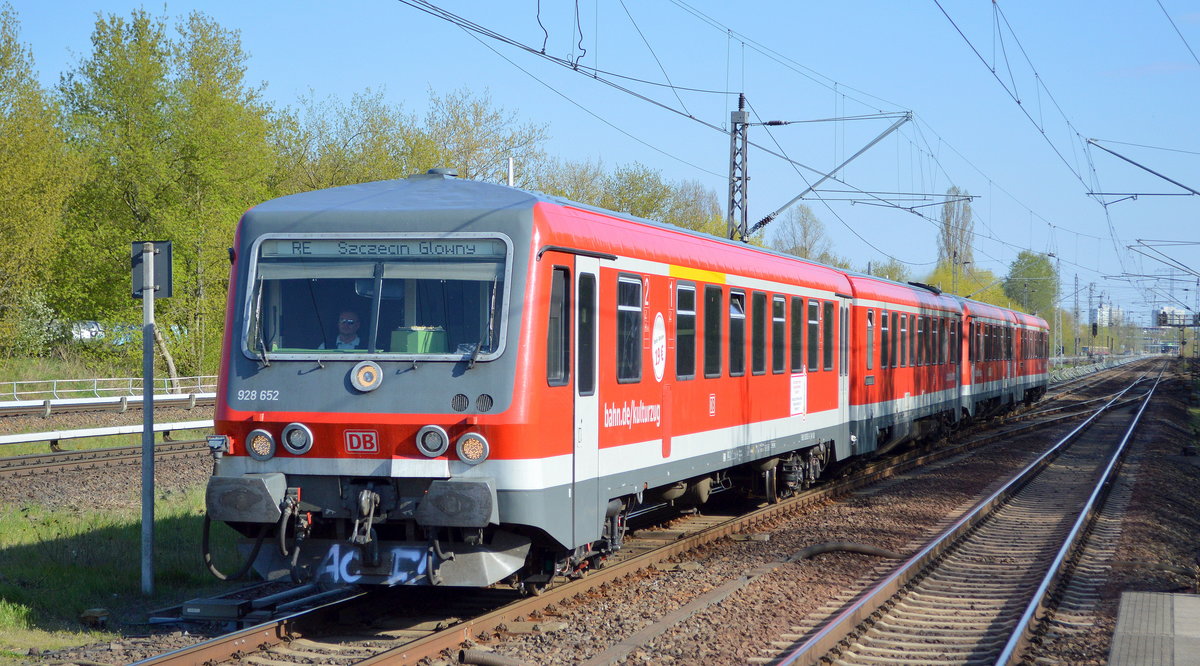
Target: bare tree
[
  {"x": 798, "y": 232},
  {"x": 957, "y": 228}
]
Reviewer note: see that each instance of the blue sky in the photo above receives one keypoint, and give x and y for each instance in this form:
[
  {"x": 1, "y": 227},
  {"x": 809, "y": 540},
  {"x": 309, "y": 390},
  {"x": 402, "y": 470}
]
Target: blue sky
[{"x": 1114, "y": 71}]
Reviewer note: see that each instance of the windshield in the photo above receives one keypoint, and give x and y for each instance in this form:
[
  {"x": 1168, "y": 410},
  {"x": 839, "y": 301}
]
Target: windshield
[{"x": 401, "y": 296}]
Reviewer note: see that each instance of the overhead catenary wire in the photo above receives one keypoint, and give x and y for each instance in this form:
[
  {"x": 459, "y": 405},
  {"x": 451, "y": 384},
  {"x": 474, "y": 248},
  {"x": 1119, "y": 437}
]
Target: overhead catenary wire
[{"x": 606, "y": 78}]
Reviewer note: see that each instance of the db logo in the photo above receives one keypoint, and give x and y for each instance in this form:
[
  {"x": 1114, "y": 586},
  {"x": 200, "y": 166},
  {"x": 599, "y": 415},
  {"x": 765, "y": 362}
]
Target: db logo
[{"x": 362, "y": 441}]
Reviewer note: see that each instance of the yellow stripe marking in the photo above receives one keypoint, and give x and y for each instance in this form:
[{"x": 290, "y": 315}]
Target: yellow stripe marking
[{"x": 697, "y": 274}]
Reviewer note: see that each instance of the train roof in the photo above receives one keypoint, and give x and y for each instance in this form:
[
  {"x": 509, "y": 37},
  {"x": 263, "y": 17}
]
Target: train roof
[{"x": 439, "y": 192}]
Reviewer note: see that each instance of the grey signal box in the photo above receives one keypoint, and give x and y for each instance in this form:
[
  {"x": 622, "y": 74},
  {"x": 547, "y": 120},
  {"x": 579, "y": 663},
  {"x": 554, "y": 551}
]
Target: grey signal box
[{"x": 162, "y": 268}]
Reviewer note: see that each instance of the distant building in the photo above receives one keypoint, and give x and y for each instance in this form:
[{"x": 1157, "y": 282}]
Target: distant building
[{"x": 1108, "y": 315}]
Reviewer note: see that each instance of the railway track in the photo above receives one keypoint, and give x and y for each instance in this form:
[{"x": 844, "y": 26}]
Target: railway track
[
  {"x": 972, "y": 595},
  {"x": 392, "y": 638},
  {"x": 89, "y": 459}
]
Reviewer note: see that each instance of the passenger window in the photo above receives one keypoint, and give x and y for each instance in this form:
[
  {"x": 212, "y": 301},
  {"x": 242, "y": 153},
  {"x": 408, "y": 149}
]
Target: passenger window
[
  {"x": 814, "y": 333},
  {"x": 712, "y": 330},
  {"x": 685, "y": 331},
  {"x": 797, "y": 334},
  {"x": 558, "y": 333},
  {"x": 778, "y": 334},
  {"x": 903, "y": 348},
  {"x": 870, "y": 339},
  {"x": 629, "y": 329},
  {"x": 758, "y": 345},
  {"x": 884, "y": 346},
  {"x": 919, "y": 354},
  {"x": 585, "y": 365},
  {"x": 827, "y": 340},
  {"x": 737, "y": 334}
]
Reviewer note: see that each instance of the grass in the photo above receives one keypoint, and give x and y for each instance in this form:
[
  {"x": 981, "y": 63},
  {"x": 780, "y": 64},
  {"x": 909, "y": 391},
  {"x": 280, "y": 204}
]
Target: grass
[
  {"x": 54, "y": 565},
  {"x": 23, "y": 369}
]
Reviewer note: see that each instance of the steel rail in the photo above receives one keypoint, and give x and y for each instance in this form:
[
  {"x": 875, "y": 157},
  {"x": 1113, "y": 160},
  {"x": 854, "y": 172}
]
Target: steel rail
[
  {"x": 1030, "y": 617},
  {"x": 33, "y": 465},
  {"x": 271, "y": 632},
  {"x": 868, "y": 602}
]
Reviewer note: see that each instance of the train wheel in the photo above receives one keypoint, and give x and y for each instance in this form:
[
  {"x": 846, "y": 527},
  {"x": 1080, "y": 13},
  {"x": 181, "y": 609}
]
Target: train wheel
[
  {"x": 771, "y": 485},
  {"x": 531, "y": 589}
]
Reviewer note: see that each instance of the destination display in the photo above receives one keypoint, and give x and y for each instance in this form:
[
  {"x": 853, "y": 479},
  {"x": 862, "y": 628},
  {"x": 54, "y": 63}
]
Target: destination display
[{"x": 483, "y": 248}]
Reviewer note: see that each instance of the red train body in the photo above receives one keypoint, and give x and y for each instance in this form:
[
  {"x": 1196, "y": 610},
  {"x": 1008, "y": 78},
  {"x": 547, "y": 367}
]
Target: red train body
[{"x": 532, "y": 371}]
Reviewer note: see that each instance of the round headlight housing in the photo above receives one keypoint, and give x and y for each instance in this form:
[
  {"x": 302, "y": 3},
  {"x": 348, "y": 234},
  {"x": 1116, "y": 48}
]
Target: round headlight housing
[
  {"x": 297, "y": 439},
  {"x": 260, "y": 445},
  {"x": 366, "y": 376},
  {"x": 472, "y": 448},
  {"x": 432, "y": 440}
]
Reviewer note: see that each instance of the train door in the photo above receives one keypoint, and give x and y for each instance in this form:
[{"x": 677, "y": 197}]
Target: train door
[
  {"x": 843, "y": 408},
  {"x": 586, "y": 458}
]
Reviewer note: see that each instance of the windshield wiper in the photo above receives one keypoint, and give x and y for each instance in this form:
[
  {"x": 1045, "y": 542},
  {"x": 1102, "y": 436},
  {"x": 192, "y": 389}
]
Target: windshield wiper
[
  {"x": 261, "y": 338},
  {"x": 475, "y": 354}
]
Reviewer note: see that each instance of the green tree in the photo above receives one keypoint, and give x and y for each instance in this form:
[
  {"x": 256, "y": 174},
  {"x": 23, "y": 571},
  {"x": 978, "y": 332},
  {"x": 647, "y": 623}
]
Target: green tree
[
  {"x": 468, "y": 133},
  {"x": 330, "y": 144},
  {"x": 178, "y": 148},
  {"x": 581, "y": 181},
  {"x": 976, "y": 284},
  {"x": 1032, "y": 283},
  {"x": 638, "y": 190},
  {"x": 37, "y": 174},
  {"x": 892, "y": 269}
]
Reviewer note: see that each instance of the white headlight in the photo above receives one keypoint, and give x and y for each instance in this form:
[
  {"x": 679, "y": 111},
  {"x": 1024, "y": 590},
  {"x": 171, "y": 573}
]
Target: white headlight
[
  {"x": 432, "y": 441},
  {"x": 297, "y": 438}
]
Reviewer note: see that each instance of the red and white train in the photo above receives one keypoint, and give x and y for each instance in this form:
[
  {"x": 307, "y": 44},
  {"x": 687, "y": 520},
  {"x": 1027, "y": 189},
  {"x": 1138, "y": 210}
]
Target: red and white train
[{"x": 440, "y": 381}]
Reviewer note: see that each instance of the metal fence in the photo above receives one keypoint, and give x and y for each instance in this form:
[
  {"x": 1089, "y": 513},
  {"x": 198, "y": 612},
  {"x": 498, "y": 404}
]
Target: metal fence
[{"x": 46, "y": 389}]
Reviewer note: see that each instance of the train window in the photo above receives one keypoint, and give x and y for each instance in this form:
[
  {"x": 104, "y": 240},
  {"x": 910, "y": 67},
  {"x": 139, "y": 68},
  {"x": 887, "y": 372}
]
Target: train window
[
  {"x": 934, "y": 340},
  {"x": 758, "y": 343},
  {"x": 585, "y": 364},
  {"x": 685, "y": 331},
  {"x": 919, "y": 352},
  {"x": 912, "y": 341},
  {"x": 629, "y": 329},
  {"x": 737, "y": 334},
  {"x": 953, "y": 341},
  {"x": 558, "y": 329},
  {"x": 797, "y": 334},
  {"x": 884, "y": 346},
  {"x": 902, "y": 350},
  {"x": 329, "y": 296},
  {"x": 814, "y": 333},
  {"x": 778, "y": 334},
  {"x": 827, "y": 338},
  {"x": 713, "y": 316},
  {"x": 870, "y": 339},
  {"x": 943, "y": 341}
]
